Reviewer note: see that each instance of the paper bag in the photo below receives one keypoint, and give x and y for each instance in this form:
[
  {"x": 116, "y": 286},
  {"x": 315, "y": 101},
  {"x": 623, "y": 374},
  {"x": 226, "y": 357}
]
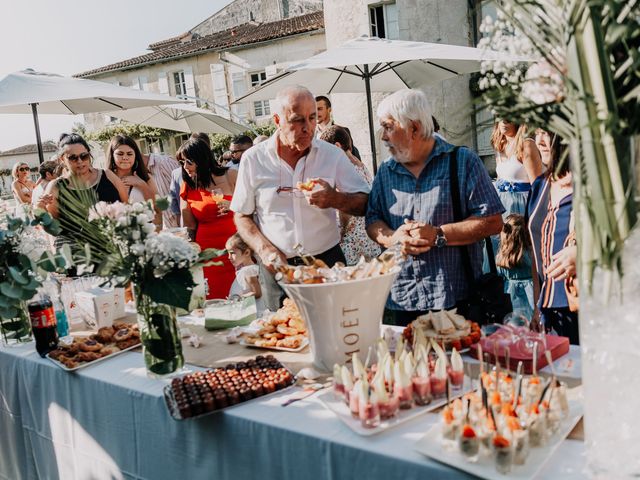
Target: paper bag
[{"x": 229, "y": 313}]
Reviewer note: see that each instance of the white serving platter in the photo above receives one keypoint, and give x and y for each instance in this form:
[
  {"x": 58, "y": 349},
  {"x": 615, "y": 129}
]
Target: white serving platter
[
  {"x": 341, "y": 409},
  {"x": 432, "y": 446},
  {"x": 93, "y": 362}
]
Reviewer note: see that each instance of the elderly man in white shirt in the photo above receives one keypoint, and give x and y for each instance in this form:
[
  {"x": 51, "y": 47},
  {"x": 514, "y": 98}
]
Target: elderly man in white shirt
[{"x": 272, "y": 215}]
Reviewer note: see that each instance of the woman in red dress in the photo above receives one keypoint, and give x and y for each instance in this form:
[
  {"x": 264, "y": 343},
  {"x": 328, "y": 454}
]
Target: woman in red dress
[{"x": 205, "y": 197}]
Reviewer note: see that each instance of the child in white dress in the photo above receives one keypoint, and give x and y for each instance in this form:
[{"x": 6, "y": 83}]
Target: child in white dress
[{"x": 246, "y": 281}]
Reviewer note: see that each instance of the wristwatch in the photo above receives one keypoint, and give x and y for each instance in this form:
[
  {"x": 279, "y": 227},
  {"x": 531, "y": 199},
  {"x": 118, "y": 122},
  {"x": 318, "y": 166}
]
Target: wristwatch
[{"x": 440, "y": 240}]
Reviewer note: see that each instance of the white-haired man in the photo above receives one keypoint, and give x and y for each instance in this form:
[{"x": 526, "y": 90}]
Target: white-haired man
[
  {"x": 411, "y": 204},
  {"x": 272, "y": 215}
]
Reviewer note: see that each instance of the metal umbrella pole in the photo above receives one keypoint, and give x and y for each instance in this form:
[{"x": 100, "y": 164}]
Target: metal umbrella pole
[
  {"x": 36, "y": 123},
  {"x": 372, "y": 136}
]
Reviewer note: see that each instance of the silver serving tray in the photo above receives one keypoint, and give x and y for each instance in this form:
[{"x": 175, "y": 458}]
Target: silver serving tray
[{"x": 172, "y": 405}]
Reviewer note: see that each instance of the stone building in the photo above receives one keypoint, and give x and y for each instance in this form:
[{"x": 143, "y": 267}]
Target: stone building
[
  {"x": 248, "y": 41},
  {"x": 437, "y": 21},
  {"x": 220, "y": 59}
]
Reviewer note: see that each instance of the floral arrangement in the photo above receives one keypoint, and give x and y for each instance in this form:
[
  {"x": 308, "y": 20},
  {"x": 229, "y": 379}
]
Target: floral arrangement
[
  {"x": 159, "y": 264},
  {"x": 25, "y": 257},
  {"x": 583, "y": 83}
]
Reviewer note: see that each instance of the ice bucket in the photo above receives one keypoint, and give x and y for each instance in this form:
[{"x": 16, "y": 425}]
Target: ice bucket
[{"x": 342, "y": 317}]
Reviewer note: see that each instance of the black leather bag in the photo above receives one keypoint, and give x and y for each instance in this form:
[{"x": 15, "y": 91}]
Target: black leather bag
[{"x": 487, "y": 302}]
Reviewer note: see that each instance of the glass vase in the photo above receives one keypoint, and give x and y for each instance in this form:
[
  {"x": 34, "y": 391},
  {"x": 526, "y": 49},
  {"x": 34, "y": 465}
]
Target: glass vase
[
  {"x": 17, "y": 330},
  {"x": 160, "y": 336},
  {"x": 609, "y": 340}
]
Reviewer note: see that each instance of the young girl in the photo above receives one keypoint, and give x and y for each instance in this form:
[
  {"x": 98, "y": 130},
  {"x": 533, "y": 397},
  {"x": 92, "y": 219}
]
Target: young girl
[
  {"x": 246, "y": 281},
  {"x": 514, "y": 263}
]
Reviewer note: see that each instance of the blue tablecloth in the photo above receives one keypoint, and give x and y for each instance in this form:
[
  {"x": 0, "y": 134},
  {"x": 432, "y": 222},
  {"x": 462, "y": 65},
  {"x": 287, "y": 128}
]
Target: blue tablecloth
[{"x": 109, "y": 421}]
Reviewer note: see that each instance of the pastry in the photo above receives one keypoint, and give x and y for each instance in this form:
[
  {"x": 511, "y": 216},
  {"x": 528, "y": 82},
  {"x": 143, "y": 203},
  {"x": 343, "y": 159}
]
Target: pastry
[
  {"x": 87, "y": 356},
  {"x": 104, "y": 335},
  {"x": 90, "y": 345},
  {"x": 108, "y": 350},
  {"x": 122, "y": 334},
  {"x": 130, "y": 342}
]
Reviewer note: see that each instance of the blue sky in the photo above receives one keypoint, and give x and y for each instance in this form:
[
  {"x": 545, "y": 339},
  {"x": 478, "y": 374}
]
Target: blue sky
[{"x": 71, "y": 36}]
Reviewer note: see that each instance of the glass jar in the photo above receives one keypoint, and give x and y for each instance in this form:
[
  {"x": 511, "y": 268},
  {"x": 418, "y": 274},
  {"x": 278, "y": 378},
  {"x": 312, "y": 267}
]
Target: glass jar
[
  {"x": 16, "y": 330},
  {"x": 160, "y": 336}
]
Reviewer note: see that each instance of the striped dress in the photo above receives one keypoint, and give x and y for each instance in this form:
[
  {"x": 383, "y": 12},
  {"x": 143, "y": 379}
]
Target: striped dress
[{"x": 549, "y": 227}]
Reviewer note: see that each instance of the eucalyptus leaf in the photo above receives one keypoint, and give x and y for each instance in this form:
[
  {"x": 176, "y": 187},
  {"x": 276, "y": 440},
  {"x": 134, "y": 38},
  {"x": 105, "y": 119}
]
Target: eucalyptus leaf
[
  {"x": 7, "y": 313},
  {"x": 18, "y": 276},
  {"x": 11, "y": 290}
]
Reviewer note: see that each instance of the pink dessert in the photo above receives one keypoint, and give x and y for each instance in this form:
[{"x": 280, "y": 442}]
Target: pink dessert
[
  {"x": 404, "y": 395},
  {"x": 456, "y": 378},
  {"x": 421, "y": 390},
  {"x": 438, "y": 386},
  {"x": 353, "y": 403},
  {"x": 369, "y": 414},
  {"x": 390, "y": 408}
]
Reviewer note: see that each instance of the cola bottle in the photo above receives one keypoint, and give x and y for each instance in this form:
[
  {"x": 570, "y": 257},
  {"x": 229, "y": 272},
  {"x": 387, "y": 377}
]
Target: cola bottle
[{"x": 43, "y": 323}]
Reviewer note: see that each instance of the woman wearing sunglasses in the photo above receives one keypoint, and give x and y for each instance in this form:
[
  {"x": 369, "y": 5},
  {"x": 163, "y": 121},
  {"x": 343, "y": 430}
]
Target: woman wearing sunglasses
[
  {"x": 204, "y": 201},
  {"x": 81, "y": 184},
  {"x": 22, "y": 185}
]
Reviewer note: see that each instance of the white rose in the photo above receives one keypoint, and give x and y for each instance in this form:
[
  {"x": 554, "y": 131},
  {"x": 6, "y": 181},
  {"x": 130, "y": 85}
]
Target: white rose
[
  {"x": 137, "y": 249},
  {"x": 135, "y": 235},
  {"x": 123, "y": 221}
]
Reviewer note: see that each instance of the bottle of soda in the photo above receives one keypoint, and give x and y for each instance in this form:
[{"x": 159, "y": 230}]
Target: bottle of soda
[
  {"x": 61, "y": 318},
  {"x": 43, "y": 323}
]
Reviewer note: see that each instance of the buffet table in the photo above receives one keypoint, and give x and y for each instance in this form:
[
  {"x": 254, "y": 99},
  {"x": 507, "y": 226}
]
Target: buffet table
[{"x": 110, "y": 421}]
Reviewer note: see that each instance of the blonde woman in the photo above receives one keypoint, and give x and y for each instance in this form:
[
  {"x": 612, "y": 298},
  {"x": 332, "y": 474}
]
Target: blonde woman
[
  {"x": 22, "y": 185},
  {"x": 518, "y": 164}
]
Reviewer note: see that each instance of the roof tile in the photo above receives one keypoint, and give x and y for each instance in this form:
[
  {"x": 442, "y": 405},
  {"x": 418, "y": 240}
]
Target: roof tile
[{"x": 244, "y": 34}]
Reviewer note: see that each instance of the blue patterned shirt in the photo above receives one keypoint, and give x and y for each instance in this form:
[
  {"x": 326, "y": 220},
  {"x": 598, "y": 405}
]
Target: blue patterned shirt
[{"x": 433, "y": 280}]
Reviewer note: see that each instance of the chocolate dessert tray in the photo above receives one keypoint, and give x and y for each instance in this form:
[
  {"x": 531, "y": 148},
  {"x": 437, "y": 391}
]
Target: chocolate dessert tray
[{"x": 209, "y": 391}]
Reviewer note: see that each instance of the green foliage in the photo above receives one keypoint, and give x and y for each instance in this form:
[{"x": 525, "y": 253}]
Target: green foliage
[
  {"x": 21, "y": 274},
  {"x": 220, "y": 141},
  {"x": 131, "y": 130}
]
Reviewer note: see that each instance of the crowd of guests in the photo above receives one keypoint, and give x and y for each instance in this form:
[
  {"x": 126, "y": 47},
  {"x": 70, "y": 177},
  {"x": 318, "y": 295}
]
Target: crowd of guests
[{"x": 435, "y": 200}]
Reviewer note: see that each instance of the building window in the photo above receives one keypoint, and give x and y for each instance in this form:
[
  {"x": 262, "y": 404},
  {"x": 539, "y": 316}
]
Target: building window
[
  {"x": 261, "y": 107},
  {"x": 383, "y": 20},
  {"x": 258, "y": 78},
  {"x": 180, "y": 139},
  {"x": 239, "y": 88},
  {"x": 179, "y": 83}
]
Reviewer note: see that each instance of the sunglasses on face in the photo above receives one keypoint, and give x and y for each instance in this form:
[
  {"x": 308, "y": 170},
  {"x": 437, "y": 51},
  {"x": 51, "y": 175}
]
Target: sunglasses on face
[
  {"x": 82, "y": 157},
  {"x": 233, "y": 152},
  {"x": 187, "y": 161},
  {"x": 23, "y": 169}
]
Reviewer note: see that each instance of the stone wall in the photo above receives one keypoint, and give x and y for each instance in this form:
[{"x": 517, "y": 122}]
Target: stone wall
[
  {"x": 437, "y": 21},
  {"x": 263, "y": 11}
]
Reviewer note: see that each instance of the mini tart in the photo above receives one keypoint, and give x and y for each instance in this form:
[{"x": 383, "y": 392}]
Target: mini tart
[
  {"x": 90, "y": 345},
  {"x": 122, "y": 335}
]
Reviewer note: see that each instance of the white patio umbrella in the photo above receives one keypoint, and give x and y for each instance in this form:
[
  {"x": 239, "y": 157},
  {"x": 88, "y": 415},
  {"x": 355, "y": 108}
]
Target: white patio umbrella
[
  {"x": 34, "y": 92},
  {"x": 181, "y": 118},
  {"x": 370, "y": 64}
]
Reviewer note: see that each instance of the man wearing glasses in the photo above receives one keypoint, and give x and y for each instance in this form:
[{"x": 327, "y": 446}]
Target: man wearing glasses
[
  {"x": 273, "y": 213},
  {"x": 238, "y": 146}
]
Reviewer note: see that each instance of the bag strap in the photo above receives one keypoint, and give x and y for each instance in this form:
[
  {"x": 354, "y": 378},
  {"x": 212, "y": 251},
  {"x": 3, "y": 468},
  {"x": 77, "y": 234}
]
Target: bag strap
[{"x": 457, "y": 217}]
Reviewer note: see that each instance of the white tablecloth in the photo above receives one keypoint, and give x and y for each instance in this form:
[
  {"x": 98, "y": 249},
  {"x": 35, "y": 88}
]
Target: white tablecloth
[{"x": 109, "y": 421}]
